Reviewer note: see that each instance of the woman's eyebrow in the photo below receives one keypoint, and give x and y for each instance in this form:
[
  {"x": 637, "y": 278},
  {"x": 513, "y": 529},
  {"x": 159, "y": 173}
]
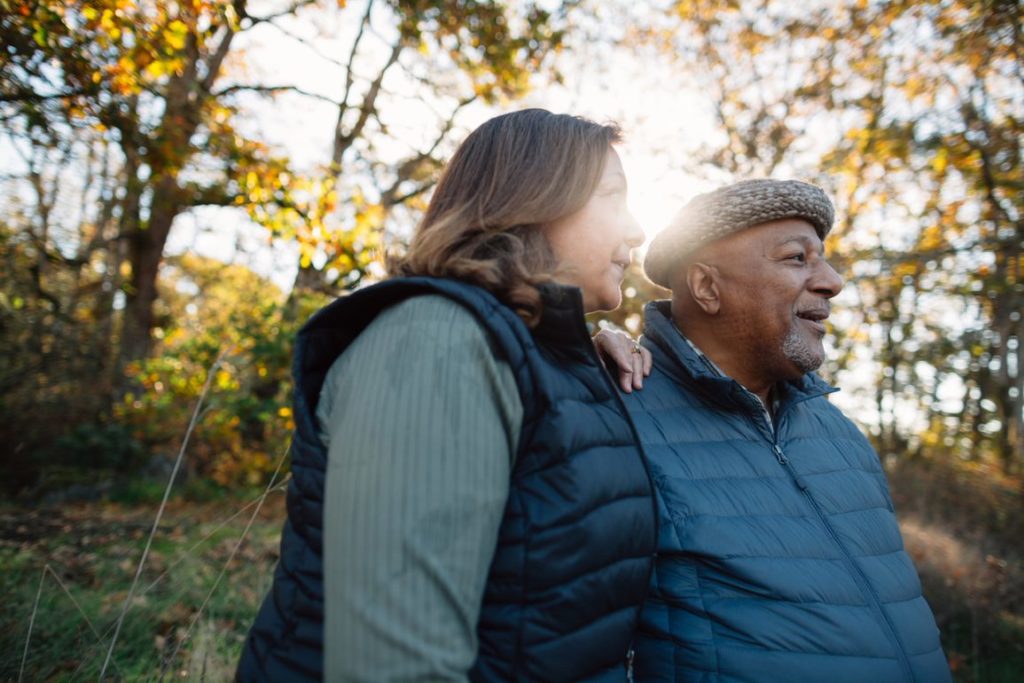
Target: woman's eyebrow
[{"x": 614, "y": 180}]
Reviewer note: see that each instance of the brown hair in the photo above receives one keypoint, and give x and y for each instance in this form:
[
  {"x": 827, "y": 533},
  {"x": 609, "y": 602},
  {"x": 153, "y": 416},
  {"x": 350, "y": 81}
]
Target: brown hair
[{"x": 511, "y": 177}]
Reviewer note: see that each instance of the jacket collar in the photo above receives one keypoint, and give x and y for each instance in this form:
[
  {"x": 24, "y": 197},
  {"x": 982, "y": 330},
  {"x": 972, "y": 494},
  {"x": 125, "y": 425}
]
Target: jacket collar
[
  {"x": 681, "y": 359},
  {"x": 562, "y": 323}
]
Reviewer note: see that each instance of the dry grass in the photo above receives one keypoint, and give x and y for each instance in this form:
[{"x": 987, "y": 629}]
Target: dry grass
[
  {"x": 174, "y": 623},
  {"x": 962, "y": 526}
]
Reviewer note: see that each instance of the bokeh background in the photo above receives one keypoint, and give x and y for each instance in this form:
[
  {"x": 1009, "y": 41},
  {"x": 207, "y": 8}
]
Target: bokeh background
[{"x": 183, "y": 183}]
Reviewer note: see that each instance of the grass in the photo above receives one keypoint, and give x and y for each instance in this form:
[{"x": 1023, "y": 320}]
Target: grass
[
  {"x": 93, "y": 551},
  {"x": 961, "y": 526}
]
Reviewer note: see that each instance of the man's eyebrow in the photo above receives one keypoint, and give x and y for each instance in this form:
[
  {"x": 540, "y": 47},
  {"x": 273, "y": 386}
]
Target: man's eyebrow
[{"x": 804, "y": 241}]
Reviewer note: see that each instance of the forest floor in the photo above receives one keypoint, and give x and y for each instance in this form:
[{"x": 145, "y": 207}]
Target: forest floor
[{"x": 66, "y": 572}]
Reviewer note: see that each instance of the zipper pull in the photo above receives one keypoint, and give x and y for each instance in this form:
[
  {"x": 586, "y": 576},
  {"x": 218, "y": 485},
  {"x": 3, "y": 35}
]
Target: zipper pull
[
  {"x": 629, "y": 664},
  {"x": 781, "y": 457}
]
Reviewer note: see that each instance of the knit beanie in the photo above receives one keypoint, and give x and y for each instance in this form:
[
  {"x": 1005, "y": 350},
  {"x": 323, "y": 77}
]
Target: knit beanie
[{"x": 714, "y": 215}]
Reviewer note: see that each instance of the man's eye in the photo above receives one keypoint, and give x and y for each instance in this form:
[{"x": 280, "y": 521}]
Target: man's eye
[{"x": 801, "y": 257}]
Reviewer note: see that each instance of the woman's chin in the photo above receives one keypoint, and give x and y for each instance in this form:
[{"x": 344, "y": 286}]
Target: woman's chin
[{"x": 602, "y": 302}]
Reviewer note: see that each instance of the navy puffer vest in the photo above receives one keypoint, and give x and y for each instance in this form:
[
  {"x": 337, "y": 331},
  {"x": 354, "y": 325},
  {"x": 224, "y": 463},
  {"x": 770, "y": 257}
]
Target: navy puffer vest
[
  {"x": 576, "y": 542},
  {"x": 779, "y": 555}
]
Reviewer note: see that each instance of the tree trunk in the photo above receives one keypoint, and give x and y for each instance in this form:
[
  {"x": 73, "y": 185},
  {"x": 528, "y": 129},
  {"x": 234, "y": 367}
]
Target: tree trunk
[{"x": 145, "y": 253}]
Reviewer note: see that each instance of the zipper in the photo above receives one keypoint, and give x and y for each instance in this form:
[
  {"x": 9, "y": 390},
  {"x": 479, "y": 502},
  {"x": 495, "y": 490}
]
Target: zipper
[
  {"x": 855, "y": 570},
  {"x": 609, "y": 382},
  {"x": 779, "y": 455}
]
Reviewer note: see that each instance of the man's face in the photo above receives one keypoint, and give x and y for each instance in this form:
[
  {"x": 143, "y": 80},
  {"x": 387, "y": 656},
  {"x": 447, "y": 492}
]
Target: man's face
[{"x": 775, "y": 287}]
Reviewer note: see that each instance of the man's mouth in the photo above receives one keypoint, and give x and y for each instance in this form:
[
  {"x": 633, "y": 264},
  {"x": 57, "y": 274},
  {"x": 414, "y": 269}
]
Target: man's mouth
[{"x": 815, "y": 318}]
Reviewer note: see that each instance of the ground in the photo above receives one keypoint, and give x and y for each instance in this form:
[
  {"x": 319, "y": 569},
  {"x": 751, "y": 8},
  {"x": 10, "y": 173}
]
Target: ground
[
  {"x": 87, "y": 555},
  {"x": 66, "y": 571}
]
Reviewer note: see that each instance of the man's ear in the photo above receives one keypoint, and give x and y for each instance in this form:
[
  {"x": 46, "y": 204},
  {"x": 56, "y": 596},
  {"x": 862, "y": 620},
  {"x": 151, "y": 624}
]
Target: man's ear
[{"x": 702, "y": 283}]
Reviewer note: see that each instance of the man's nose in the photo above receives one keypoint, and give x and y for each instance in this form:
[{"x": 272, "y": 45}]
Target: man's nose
[{"x": 828, "y": 282}]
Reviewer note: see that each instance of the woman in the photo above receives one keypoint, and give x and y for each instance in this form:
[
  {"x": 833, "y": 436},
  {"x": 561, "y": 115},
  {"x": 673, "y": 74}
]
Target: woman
[{"x": 486, "y": 512}]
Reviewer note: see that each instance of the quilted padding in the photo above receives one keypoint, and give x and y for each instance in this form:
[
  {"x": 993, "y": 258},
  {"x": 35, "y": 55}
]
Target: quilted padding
[
  {"x": 576, "y": 543},
  {"x": 779, "y": 555}
]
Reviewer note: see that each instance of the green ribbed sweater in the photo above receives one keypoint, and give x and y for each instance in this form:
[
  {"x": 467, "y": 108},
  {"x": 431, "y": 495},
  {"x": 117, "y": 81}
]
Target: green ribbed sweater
[{"x": 421, "y": 423}]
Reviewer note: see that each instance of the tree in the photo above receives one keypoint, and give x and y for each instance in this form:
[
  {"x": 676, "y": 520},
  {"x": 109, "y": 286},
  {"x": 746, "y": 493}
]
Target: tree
[
  {"x": 910, "y": 115},
  {"x": 149, "y": 81},
  {"x": 134, "y": 82},
  {"x": 435, "y": 58},
  {"x": 122, "y": 116}
]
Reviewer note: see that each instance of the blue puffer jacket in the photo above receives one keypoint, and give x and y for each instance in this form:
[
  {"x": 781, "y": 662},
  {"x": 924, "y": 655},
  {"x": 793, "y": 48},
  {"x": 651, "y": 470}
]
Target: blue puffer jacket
[
  {"x": 779, "y": 556},
  {"x": 575, "y": 547}
]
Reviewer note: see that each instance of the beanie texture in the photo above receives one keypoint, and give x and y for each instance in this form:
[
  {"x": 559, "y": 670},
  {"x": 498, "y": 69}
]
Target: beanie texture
[{"x": 722, "y": 212}]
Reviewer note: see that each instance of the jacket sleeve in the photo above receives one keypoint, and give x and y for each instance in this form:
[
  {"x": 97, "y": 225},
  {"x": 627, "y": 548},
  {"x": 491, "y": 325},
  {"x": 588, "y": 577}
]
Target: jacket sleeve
[{"x": 421, "y": 422}]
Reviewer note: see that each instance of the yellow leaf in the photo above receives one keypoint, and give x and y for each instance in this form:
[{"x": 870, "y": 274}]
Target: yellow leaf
[
  {"x": 157, "y": 69},
  {"x": 90, "y": 13},
  {"x": 175, "y": 34}
]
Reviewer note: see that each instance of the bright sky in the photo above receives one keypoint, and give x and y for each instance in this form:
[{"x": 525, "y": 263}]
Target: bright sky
[{"x": 661, "y": 119}]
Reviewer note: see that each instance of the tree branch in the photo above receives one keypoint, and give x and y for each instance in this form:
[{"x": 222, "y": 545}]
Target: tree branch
[
  {"x": 31, "y": 96},
  {"x": 270, "y": 18},
  {"x": 343, "y": 141},
  {"x": 271, "y": 90},
  {"x": 390, "y": 196},
  {"x": 349, "y": 80},
  {"x": 309, "y": 45}
]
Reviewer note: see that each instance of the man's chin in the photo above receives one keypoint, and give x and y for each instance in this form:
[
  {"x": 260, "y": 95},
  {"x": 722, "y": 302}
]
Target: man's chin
[{"x": 805, "y": 357}]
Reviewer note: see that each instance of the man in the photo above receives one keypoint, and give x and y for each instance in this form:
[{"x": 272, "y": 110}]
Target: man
[{"x": 779, "y": 555}]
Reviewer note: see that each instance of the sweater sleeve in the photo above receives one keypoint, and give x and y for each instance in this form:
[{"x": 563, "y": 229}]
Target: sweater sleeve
[{"x": 421, "y": 422}]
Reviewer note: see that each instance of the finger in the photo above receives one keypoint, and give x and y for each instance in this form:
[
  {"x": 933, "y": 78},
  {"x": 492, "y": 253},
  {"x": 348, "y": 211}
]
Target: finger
[
  {"x": 638, "y": 371},
  {"x": 648, "y": 361},
  {"x": 619, "y": 351},
  {"x": 626, "y": 378},
  {"x": 601, "y": 346}
]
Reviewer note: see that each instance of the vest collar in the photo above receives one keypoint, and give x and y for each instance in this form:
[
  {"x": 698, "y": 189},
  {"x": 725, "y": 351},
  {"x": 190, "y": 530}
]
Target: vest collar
[
  {"x": 682, "y": 358},
  {"x": 562, "y": 324}
]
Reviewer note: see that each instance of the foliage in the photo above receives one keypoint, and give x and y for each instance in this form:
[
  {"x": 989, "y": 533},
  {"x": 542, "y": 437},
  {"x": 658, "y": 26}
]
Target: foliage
[
  {"x": 101, "y": 447},
  {"x": 911, "y": 115},
  {"x": 225, "y": 320},
  {"x": 122, "y": 116},
  {"x": 52, "y": 340}
]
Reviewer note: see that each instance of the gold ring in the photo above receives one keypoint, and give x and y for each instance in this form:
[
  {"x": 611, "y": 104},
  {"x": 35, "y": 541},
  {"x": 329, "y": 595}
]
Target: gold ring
[{"x": 636, "y": 348}]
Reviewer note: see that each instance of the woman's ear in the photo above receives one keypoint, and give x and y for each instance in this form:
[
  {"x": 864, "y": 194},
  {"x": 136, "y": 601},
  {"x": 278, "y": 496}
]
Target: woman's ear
[{"x": 702, "y": 282}]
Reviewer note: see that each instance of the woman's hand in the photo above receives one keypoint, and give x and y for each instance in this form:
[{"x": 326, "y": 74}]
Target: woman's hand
[{"x": 632, "y": 360}]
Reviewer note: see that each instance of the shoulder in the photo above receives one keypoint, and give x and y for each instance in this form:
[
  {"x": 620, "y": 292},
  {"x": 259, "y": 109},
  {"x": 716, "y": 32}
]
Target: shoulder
[
  {"x": 426, "y": 352},
  {"x": 428, "y": 325},
  {"x": 821, "y": 419},
  {"x": 429, "y": 310},
  {"x": 429, "y": 328}
]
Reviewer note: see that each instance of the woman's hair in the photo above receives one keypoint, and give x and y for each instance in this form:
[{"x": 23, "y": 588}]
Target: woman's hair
[{"x": 512, "y": 176}]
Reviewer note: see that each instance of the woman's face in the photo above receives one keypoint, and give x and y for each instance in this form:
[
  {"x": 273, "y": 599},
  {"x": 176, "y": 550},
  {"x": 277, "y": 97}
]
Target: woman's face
[{"x": 593, "y": 245}]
